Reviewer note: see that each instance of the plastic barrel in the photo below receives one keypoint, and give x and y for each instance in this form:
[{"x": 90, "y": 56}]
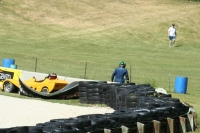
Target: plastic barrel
[
  {"x": 6, "y": 62},
  {"x": 181, "y": 84},
  {"x": 13, "y": 66}
]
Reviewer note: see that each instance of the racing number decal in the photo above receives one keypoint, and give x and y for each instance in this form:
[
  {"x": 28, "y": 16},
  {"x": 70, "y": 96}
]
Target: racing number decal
[{"x": 6, "y": 75}]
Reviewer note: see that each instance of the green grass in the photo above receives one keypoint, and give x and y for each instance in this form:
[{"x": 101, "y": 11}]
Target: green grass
[{"x": 64, "y": 35}]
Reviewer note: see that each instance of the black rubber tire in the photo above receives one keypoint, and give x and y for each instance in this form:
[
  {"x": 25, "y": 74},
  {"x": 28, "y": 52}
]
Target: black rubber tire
[
  {"x": 33, "y": 129},
  {"x": 174, "y": 104},
  {"x": 99, "y": 122},
  {"x": 95, "y": 98},
  {"x": 23, "y": 129},
  {"x": 131, "y": 99},
  {"x": 86, "y": 122},
  {"x": 10, "y": 87},
  {"x": 84, "y": 83},
  {"x": 76, "y": 123},
  {"x": 143, "y": 115},
  {"x": 95, "y": 90},
  {"x": 121, "y": 89},
  {"x": 104, "y": 87},
  {"x": 102, "y": 96},
  {"x": 83, "y": 99},
  {"x": 102, "y": 101},
  {"x": 174, "y": 99},
  {"x": 82, "y": 89},
  {"x": 95, "y": 102},
  {"x": 131, "y": 104},
  {"x": 89, "y": 90},
  {"x": 95, "y": 94},
  {"x": 88, "y": 129},
  {"x": 82, "y": 94},
  {"x": 89, "y": 86},
  {"x": 165, "y": 95},
  {"x": 59, "y": 120},
  {"x": 89, "y": 95}
]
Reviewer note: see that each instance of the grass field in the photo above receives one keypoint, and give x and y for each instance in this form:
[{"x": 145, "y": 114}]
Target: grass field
[{"x": 64, "y": 35}]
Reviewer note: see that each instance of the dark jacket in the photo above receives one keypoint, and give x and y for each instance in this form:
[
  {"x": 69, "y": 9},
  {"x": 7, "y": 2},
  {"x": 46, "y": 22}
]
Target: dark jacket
[{"x": 119, "y": 74}]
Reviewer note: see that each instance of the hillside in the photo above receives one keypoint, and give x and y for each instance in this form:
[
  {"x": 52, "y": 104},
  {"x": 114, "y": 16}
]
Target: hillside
[{"x": 63, "y": 35}]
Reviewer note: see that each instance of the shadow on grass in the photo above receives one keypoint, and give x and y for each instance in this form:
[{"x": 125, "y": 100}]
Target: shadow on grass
[{"x": 178, "y": 45}]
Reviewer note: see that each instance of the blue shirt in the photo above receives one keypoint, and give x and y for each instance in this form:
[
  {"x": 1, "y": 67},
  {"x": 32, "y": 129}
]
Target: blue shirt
[{"x": 119, "y": 74}]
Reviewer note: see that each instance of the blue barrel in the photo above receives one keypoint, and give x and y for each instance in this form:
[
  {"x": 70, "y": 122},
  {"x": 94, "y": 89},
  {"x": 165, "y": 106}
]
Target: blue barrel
[
  {"x": 6, "y": 62},
  {"x": 13, "y": 66},
  {"x": 180, "y": 85}
]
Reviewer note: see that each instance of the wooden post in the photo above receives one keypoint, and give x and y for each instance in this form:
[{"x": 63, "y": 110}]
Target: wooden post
[
  {"x": 191, "y": 121},
  {"x": 156, "y": 125},
  {"x": 124, "y": 129},
  {"x": 107, "y": 131},
  {"x": 195, "y": 119},
  {"x": 140, "y": 127},
  {"x": 183, "y": 124},
  {"x": 170, "y": 125}
]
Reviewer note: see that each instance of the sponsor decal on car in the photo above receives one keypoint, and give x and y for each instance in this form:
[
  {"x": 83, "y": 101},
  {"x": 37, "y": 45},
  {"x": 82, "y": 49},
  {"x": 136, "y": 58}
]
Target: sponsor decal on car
[{"x": 6, "y": 75}]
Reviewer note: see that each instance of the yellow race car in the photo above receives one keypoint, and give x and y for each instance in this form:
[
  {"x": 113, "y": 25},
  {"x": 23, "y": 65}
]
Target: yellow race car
[{"x": 50, "y": 84}]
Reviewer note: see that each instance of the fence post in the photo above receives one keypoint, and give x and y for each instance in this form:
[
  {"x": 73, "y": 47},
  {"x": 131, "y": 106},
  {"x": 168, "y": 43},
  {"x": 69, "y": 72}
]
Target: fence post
[
  {"x": 85, "y": 69},
  {"x": 35, "y": 64},
  {"x": 130, "y": 74},
  {"x": 169, "y": 83}
]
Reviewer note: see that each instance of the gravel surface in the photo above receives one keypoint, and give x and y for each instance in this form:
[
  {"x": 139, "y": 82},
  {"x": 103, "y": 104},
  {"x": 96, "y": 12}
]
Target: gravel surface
[{"x": 27, "y": 112}]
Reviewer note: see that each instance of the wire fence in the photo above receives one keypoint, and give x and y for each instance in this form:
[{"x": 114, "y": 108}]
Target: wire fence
[{"x": 103, "y": 71}]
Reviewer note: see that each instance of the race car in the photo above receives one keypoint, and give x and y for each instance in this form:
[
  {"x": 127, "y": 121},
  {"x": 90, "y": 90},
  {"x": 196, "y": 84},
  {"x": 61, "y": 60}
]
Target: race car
[{"x": 48, "y": 85}]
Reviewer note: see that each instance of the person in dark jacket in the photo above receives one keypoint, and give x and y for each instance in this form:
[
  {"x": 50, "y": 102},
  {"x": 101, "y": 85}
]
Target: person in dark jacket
[{"x": 119, "y": 73}]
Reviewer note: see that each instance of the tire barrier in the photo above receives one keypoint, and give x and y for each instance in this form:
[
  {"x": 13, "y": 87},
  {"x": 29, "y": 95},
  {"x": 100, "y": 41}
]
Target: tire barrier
[
  {"x": 138, "y": 108},
  {"x": 135, "y": 120}
]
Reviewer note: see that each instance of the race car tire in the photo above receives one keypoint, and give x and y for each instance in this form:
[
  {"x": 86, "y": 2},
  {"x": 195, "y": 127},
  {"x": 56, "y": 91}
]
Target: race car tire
[
  {"x": 45, "y": 90},
  {"x": 10, "y": 87}
]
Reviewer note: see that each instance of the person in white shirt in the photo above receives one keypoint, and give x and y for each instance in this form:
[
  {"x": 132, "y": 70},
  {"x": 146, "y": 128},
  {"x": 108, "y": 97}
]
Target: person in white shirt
[{"x": 172, "y": 35}]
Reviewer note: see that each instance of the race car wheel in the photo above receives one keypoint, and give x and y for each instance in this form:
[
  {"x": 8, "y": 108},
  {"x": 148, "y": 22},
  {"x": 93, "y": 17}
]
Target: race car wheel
[
  {"x": 45, "y": 90},
  {"x": 10, "y": 87}
]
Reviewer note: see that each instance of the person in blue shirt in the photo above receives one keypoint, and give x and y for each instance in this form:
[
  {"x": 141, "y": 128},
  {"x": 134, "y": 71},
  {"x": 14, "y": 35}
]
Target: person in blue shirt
[{"x": 119, "y": 73}]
